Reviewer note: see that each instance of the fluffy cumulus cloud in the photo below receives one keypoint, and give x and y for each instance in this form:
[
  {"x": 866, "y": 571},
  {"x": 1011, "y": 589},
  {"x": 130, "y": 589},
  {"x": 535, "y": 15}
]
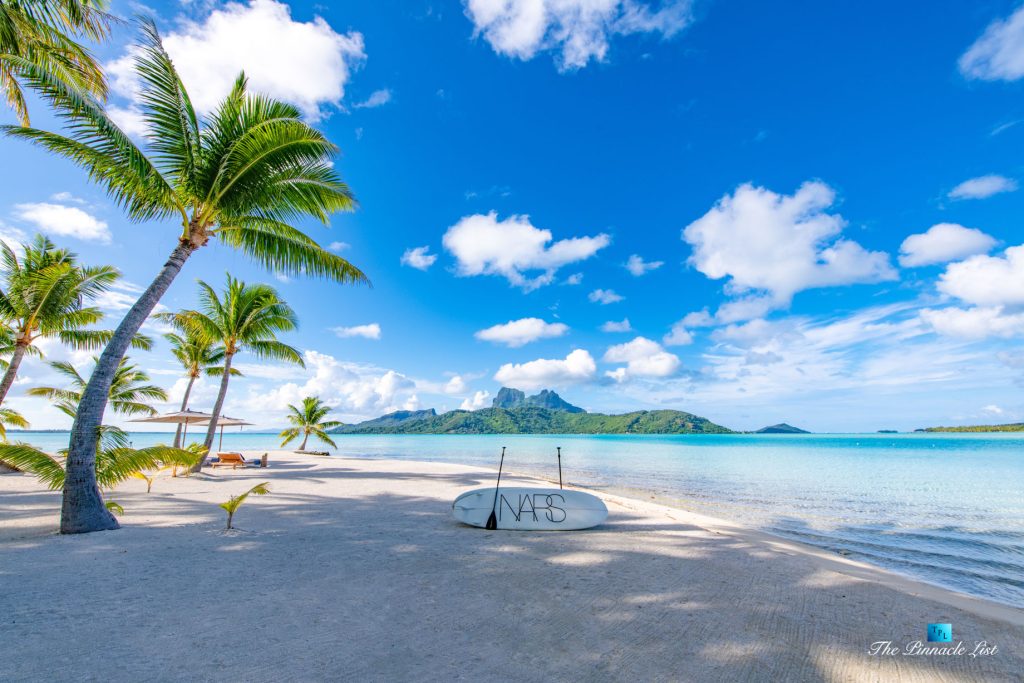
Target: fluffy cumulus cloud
[
  {"x": 418, "y": 258},
  {"x": 306, "y": 63},
  {"x": 999, "y": 53},
  {"x": 370, "y": 331},
  {"x": 987, "y": 280},
  {"x": 643, "y": 358},
  {"x": 982, "y": 187},
  {"x": 678, "y": 335},
  {"x": 979, "y": 322},
  {"x": 578, "y": 30},
  {"x": 943, "y": 243},
  {"x": 517, "y": 333},
  {"x": 605, "y": 296},
  {"x": 513, "y": 247},
  {"x": 771, "y": 246},
  {"x": 577, "y": 367},
  {"x": 621, "y": 326},
  {"x": 477, "y": 401},
  {"x": 637, "y": 266},
  {"x": 358, "y": 391},
  {"x": 65, "y": 221}
]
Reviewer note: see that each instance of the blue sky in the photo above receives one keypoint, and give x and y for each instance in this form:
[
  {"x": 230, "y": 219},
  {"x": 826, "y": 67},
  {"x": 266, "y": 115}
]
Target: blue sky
[{"x": 738, "y": 181}]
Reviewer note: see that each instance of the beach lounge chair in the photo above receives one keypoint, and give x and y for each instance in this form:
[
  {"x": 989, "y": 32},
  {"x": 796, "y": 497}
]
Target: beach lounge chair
[{"x": 232, "y": 460}]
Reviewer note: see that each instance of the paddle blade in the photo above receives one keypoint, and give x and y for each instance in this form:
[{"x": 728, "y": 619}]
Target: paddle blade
[{"x": 492, "y": 522}]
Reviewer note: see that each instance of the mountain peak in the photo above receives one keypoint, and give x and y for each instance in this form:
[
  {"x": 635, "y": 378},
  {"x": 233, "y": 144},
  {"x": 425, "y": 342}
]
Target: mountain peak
[{"x": 514, "y": 398}]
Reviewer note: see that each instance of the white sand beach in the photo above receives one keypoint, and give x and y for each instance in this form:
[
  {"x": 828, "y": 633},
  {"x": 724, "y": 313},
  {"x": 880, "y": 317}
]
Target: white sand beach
[{"x": 353, "y": 569}]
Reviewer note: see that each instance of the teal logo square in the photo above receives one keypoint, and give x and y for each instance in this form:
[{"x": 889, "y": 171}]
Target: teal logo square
[{"x": 940, "y": 633}]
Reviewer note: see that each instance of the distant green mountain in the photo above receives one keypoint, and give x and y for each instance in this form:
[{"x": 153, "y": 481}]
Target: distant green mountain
[
  {"x": 1015, "y": 427},
  {"x": 781, "y": 428},
  {"x": 524, "y": 418}
]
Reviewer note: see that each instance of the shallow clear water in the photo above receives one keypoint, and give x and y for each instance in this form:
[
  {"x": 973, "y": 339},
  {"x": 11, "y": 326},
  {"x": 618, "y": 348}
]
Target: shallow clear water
[{"x": 944, "y": 508}]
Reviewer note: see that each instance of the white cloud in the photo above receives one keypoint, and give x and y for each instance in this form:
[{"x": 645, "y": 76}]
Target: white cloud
[
  {"x": 13, "y": 237},
  {"x": 604, "y": 296},
  {"x": 613, "y": 326},
  {"x": 483, "y": 245},
  {"x": 516, "y": 333},
  {"x": 578, "y": 366},
  {"x": 982, "y": 187},
  {"x": 305, "y": 63},
  {"x": 643, "y": 358},
  {"x": 580, "y": 30},
  {"x": 974, "y": 323},
  {"x": 999, "y": 53},
  {"x": 678, "y": 335},
  {"x": 477, "y": 401},
  {"x": 65, "y": 197},
  {"x": 370, "y": 331},
  {"x": 339, "y": 246},
  {"x": 637, "y": 266},
  {"x": 574, "y": 279},
  {"x": 456, "y": 385},
  {"x": 987, "y": 280},
  {"x": 378, "y": 98},
  {"x": 943, "y": 243},
  {"x": 129, "y": 119},
  {"x": 418, "y": 258},
  {"x": 362, "y": 391},
  {"x": 66, "y": 221},
  {"x": 771, "y": 246}
]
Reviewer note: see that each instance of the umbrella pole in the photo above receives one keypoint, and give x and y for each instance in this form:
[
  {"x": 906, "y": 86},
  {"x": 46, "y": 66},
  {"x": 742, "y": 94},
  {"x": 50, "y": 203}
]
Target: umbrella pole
[
  {"x": 221, "y": 446},
  {"x": 184, "y": 434}
]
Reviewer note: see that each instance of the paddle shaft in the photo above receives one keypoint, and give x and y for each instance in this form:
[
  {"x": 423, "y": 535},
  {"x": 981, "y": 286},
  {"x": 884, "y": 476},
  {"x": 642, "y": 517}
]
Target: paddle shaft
[
  {"x": 492, "y": 521},
  {"x": 559, "y": 467}
]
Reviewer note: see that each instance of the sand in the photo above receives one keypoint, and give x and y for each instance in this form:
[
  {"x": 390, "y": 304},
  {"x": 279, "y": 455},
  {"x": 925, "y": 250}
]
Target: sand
[{"x": 353, "y": 569}]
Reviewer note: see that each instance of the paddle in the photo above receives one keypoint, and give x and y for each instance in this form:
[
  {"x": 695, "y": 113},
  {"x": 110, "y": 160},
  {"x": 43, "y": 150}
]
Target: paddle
[
  {"x": 559, "y": 466},
  {"x": 492, "y": 521}
]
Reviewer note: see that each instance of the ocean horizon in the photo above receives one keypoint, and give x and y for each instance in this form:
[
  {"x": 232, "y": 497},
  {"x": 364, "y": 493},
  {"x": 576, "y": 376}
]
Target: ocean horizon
[{"x": 947, "y": 509}]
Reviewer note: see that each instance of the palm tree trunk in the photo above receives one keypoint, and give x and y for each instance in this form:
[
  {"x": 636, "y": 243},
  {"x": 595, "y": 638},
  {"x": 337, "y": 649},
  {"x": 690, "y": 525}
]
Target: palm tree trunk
[
  {"x": 82, "y": 509},
  {"x": 184, "y": 406},
  {"x": 212, "y": 430},
  {"x": 304, "y": 440},
  {"x": 12, "y": 370}
]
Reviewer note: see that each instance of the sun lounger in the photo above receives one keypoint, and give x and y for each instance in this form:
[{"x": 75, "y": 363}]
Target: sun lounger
[{"x": 232, "y": 460}]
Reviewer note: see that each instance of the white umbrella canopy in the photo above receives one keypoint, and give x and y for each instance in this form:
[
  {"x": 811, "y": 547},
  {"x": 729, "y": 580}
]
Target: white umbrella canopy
[
  {"x": 180, "y": 417},
  {"x": 225, "y": 421}
]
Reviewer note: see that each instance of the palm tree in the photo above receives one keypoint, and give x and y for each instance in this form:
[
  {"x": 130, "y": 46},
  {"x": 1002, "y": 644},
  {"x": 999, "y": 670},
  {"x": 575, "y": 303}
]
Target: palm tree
[
  {"x": 128, "y": 392},
  {"x": 41, "y": 35},
  {"x": 309, "y": 421},
  {"x": 199, "y": 356},
  {"x": 252, "y": 167},
  {"x": 11, "y": 417},
  {"x": 43, "y": 294},
  {"x": 247, "y": 318}
]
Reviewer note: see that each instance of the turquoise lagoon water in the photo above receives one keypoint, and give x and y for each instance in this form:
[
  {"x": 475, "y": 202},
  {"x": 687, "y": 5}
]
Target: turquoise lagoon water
[{"x": 943, "y": 508}]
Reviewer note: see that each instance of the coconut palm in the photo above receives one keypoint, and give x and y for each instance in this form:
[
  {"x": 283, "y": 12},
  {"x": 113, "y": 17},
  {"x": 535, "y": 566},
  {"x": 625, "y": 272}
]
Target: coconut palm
[
  {"x": 44, "y": 294},
  {"x": 240, "y": 177},
  {"x": 128, "y": 394},
  {"x": 246, "y": 318},
  {"x": 198, "y": 356},
  {"x": 10, "y": 417},
  {"x": 307, "y": 421},
  {"x": 42, "y": 35}
]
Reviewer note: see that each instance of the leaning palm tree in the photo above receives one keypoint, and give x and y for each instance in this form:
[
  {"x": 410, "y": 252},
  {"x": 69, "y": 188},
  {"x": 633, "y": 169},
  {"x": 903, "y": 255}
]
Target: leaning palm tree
[
  {"x": 43, "y": 35},
  {"x": 240, "y": 177},
  {"x": 44, "y": 294},
  {"x": 309, "y": 421},
  {"x": 246, "y": 318},
  {"x": 198, "y": 356}
]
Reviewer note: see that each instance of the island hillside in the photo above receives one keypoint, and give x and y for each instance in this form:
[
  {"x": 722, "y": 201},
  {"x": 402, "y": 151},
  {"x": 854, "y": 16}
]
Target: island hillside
[
  {"x": 512, "y": 412},
  {"x": 1015, "y": 427}
]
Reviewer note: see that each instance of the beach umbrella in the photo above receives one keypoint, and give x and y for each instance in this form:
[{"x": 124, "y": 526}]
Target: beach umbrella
[
  {"x": 181, "y": 417},
  {"x": 225, "y": 421}
]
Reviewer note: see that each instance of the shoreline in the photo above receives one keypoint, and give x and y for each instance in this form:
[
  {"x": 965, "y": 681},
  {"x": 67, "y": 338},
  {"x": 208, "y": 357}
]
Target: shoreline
[
  {"x": 981, "y": 606},
  {"x": 355, "y": 568}
]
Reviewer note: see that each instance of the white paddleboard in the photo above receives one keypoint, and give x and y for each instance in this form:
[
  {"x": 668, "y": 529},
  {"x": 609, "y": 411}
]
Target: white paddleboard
[{"x": 530, "y": 509}]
